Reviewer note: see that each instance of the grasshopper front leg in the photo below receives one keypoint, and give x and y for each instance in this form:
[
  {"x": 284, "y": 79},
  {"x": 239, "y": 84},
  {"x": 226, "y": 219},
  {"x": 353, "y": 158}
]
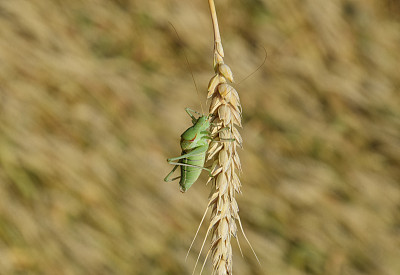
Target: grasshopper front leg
[{"x": 188, "y": 111}]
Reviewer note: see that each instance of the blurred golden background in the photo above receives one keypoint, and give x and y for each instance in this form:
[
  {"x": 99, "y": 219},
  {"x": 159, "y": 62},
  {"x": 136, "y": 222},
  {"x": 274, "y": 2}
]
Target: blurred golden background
[{"x": 92, "y": 98}]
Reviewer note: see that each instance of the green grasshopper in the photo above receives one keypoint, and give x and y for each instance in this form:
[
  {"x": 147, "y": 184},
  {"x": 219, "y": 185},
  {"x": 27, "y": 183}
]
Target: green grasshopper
[{"x": 194, "y": 144}]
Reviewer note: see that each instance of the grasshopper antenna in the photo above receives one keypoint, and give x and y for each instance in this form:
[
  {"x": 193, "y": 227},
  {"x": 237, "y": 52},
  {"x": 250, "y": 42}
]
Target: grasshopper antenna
[
  {"x": 190, "y": 69},
  {"x": 259, "y": 67}
]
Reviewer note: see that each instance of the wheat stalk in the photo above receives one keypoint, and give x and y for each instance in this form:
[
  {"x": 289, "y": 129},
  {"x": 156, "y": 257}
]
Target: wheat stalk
[{"x": 227, "y": 112}]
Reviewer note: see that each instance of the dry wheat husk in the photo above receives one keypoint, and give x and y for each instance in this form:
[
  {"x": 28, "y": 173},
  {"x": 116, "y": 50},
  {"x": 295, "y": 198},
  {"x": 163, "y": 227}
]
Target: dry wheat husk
[{"x": 226, "y": 111}]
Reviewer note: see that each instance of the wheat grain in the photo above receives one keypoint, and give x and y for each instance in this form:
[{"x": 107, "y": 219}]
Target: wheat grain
[{"x": 227, "y": 112}]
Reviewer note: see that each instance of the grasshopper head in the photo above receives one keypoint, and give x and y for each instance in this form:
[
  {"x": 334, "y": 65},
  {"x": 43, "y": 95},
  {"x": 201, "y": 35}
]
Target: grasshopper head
[
  {"x": 203, "y": 123},
  {"x": 195, "y": 134}
]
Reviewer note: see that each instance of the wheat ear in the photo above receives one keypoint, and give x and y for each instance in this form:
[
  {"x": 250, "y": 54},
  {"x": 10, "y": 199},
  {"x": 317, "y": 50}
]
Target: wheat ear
[{"x": 227, "y": 115}]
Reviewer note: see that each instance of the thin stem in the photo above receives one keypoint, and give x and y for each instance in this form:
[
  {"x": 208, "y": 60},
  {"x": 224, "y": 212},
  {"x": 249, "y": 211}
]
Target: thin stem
[{"x": 217, "y": 36}]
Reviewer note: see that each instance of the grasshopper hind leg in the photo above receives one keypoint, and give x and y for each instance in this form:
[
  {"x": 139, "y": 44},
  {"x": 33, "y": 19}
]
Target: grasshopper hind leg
[
  {"x": 166, "y": 179},
  {"x": 189, "y": 165}
]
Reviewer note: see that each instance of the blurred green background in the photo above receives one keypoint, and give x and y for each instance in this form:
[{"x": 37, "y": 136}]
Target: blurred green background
[{"x": 92, "y": 98}]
